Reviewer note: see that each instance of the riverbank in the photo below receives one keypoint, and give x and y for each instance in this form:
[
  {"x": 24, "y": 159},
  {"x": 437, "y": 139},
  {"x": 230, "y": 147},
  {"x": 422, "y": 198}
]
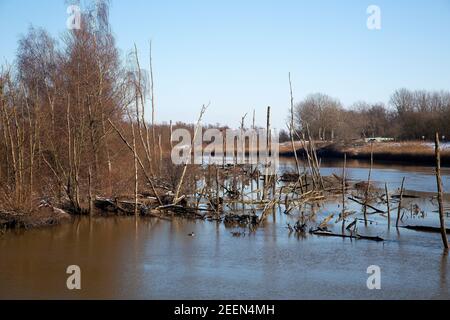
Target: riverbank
[
  {"x": 415, "y": 152},
  {"x": 42, "y": 216}
]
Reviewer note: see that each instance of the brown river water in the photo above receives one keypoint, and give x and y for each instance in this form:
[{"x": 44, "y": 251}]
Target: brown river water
[{"x": 147, "y": 258}]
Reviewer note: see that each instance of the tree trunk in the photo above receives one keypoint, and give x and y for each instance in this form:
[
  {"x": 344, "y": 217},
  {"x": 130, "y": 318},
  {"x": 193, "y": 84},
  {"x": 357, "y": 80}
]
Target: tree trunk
[{"x": 440, "y": 192}]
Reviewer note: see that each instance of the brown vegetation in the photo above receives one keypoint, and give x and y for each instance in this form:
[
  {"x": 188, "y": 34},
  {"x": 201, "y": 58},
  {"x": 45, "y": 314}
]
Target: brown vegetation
[
  {"x": 408, "y": 151},
  {"x": 61, "y": 109}
]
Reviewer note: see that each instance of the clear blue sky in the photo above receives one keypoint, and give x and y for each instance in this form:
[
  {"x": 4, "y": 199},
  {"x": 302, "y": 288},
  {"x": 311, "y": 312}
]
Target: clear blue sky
[{"x": 236, "y": 54}]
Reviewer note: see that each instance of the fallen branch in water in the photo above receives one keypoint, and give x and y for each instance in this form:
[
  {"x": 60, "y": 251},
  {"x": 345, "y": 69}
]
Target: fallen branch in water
[
  {"x": 367, "y": 205},
  {"x": 426, "y": 229},
  {"x": 357, "y": 236}
]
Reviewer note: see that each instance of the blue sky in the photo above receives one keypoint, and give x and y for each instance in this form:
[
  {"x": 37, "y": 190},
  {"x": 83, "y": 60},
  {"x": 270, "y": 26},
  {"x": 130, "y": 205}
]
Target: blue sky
[{"x": 236, "y": 54}]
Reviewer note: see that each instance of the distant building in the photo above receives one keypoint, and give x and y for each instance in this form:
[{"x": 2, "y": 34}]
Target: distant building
[{"x": 378, "y": 139}]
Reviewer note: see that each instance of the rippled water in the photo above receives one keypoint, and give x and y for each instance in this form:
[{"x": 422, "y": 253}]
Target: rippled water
[{"x": 148, "y": 258}]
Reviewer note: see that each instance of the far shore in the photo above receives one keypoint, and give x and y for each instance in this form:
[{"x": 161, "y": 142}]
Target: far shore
[{"x": 413, "y": 152}]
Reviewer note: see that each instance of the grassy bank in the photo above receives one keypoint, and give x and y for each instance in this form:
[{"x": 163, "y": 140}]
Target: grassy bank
[{"x": 411, "y": 151}]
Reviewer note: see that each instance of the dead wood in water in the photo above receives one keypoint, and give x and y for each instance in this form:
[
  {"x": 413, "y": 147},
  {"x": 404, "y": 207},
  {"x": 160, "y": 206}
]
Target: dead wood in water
[
  {"x": 197, "y": 127},
  {"x": 343, "y": 192},
  {"x": 144, "y": 207},
  {"x": 440, "y": 192},
  {"x": 366, "y": 194},
  {"x": 426, "y": 229},
  {"x": 266, "y": 174},
  {"x": 289, "y": 177},
  {"x": 44, "y": 215},
  {"x": 367, "y": 205},
  {"x": 291, "y": 133},
  {"x": 404, "y": 196},
  {"x": 339, "y": 235},
  {"x": 324, "y": 223},
  {"x": 400, "y": 203},
  {"x": 388, "y": 204}
]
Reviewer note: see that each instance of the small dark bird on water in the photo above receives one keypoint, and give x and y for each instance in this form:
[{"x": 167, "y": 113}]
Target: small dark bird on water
[{"x": 191, "y": 234}]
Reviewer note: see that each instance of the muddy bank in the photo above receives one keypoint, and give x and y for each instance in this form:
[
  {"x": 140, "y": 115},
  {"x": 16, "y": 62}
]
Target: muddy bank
[
  {"x": 385, "y": 152},
  {"x": 43, "y": 216}
]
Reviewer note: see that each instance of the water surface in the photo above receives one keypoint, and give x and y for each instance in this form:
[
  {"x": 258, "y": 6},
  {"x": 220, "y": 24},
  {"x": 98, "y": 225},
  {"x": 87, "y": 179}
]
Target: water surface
[{"x": 147, "y": 258}]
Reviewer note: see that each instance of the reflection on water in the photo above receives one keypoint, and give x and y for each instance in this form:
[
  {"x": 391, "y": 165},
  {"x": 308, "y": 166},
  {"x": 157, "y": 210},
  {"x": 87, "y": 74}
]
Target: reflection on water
[
  {"x": 156, "y": 259},
  {"x": 444, "y": 271}
]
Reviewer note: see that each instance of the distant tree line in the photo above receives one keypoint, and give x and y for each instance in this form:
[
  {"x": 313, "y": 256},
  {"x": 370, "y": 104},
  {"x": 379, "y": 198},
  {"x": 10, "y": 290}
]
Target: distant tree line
[{"x": 410, "y": 115}]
